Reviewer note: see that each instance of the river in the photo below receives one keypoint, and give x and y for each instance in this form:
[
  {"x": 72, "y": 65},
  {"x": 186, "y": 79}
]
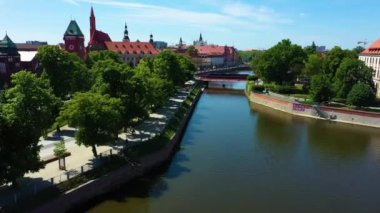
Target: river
[{"x": 239, "y": 157}]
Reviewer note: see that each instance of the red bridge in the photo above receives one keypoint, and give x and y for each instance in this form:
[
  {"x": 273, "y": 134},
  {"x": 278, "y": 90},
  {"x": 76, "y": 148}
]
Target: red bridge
[{"x": 220, "y": 77}]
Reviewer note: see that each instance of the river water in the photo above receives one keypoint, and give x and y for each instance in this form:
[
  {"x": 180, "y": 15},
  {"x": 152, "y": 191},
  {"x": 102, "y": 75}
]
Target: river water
[{"x": 239, "y": 157}]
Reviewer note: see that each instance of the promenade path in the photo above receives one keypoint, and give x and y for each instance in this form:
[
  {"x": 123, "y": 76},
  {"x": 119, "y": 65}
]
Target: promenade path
[{"x": 82, "y": 156}]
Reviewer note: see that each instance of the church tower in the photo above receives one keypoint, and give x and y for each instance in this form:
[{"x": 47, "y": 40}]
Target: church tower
[
  {"x": 92, "y": 24},
  {"x": 74, "y": 39},
  {"x": 126, "y": 36},
  {"x": 151, "y": 39}
]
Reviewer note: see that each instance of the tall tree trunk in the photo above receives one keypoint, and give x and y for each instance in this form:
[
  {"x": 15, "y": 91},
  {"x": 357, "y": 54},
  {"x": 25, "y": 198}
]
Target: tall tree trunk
[{"x": 94, "y": 151}]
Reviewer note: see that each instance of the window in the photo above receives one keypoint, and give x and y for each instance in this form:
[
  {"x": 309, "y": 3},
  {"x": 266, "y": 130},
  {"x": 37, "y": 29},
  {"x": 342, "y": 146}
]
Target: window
[{"x": 10, "y": 59}]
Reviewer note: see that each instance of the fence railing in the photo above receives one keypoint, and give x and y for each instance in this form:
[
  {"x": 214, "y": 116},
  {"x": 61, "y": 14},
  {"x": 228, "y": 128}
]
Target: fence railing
[{"x": 29, "y": 187}]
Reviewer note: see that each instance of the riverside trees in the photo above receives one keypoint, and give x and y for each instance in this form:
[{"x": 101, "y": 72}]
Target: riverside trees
[
  {"x": 105, "y": 95},
  {"x": 97, "y": 118},
  {"x": 331, "y": 75},
  {"x": 26, "y": 111},
  {"x": 120, "y": 96}
]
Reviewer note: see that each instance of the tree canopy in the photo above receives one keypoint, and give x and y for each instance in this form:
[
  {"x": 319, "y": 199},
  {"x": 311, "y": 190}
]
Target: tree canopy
[
  {"x": 313, "y": 65},
  {"x": 282, "y": 63},
  {"x": 26, "y": 111},
  {"x": 350, "y": 72},
  {"x": 361, "y": 95},
  {"x": 97, "y": 118},
  {"x": 320, "y": 88},
  {"x": 66, "y": 72}
]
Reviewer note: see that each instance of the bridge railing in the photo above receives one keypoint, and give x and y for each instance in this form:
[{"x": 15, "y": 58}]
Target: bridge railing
[{"x": 221, "y": 69}]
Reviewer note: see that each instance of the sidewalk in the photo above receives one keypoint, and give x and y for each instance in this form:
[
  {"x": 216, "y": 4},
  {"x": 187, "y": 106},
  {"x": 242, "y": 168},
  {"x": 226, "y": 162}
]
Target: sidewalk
[{"x": 83, "y": 156}]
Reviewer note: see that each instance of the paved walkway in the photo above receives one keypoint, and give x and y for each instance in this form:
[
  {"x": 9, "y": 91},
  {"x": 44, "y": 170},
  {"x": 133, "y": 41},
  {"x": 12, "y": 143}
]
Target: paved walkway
[{"x": 82, "y": 156}]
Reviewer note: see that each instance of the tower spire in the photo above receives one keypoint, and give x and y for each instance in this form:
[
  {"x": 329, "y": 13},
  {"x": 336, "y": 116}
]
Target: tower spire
[
  {"x": 151, "y": 38},
  {"x": 126, "y": 33},
  {"x": 92, "y": 23}
]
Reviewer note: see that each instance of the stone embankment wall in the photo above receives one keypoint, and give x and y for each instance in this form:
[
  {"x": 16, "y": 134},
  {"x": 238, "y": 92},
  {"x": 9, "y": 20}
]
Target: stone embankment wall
[
  {"x": 322, "y": 112},
  {"x": 115, "y": 179}
]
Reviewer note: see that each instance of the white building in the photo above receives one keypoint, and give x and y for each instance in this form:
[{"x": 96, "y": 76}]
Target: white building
[{"x": 371, "y": 57}]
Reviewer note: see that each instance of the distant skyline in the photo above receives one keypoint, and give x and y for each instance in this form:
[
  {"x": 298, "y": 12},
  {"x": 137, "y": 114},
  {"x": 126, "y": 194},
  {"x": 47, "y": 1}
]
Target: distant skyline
[{"x": 246, "y": 24}]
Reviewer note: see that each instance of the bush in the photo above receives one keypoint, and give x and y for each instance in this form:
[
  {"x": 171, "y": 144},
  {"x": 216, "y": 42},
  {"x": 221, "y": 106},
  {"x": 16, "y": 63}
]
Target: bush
[
  {"x": 361, "y": 95},
  {"x": 339, "y": 100},
  {"x": 257, "y": 88},
  {"x": 270, "y": 87},
  {"x": 286, "y": 89},
  {"x": 252, "y": 78}
]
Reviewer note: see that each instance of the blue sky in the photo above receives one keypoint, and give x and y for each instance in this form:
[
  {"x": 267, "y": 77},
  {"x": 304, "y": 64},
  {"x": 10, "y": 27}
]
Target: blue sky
[{"x": 246, "y": 24}]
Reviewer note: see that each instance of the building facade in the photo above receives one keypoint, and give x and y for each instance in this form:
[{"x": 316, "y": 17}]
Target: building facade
[
  {"x": 10, "y": 61},
  {"x": 74, "y": 40},
  {"x": 371, "y": 57},
  {"x": 130, "y": 52},
  {"x": 97, "y": 37}
]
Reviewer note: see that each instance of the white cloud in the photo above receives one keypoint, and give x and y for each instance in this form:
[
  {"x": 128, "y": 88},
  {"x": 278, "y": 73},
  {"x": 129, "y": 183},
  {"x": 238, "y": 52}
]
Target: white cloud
[
  {"x": 260, "y": 14},
  {"x": 73, "y": 2},
  {"x": 230, "y": 15}
]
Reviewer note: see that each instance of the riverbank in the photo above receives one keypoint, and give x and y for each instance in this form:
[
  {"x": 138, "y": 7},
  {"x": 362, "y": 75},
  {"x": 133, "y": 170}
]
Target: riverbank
[
  {"x": 145, "y": 163},
  {"x": 354, "y": 117}
]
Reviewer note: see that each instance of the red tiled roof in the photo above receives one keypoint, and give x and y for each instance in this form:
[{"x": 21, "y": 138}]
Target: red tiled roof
[
  {"x": 99, "y": 37},
  {"x": 211, "y": 50},
  {"x": 374, "y": 49},
  {"x": 126, "y": 47}
]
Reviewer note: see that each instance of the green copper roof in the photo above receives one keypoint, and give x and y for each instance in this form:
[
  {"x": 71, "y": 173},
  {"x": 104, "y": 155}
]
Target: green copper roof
[
  {"x": 7, "y": 43},
  {"x": 73, "y": 29}
]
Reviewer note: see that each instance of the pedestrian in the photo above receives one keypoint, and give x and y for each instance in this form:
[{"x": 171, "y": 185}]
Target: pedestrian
[{"x": 58, "y": 130}]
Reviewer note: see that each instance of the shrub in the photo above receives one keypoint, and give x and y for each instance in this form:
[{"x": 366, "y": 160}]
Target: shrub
[
  {"x": 361, "y": 95},
  {"x": 258, "y": 88},
  {"x": 285, "y": 89},
  {"x": 270, "y": 87},
  {"x": 339, "y": 100},
  {"x": 252, "y": 78}
]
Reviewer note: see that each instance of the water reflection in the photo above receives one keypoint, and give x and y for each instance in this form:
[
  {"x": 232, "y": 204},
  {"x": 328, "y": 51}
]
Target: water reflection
[
  {"x": 273, "y": 130},
  {"x": 241, "y": 157},
  {"x": 338, "y": 140}
]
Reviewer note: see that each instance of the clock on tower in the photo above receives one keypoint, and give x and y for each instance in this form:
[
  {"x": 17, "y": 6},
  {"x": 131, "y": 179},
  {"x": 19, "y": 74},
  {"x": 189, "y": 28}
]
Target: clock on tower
[{"x": 74, "y": 39}]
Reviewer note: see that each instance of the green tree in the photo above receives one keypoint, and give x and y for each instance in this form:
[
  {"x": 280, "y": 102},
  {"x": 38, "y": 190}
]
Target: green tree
[
  {"x": 247, "y": 56},
  {"x": 256, "y": 57},
  {"x": 192, "y": 51},
  {"x": 312, "y": 49},
  {"x": 320, "y": 88},
  {"x": 118, "y": 81},
  {"x": 334, "y": 58},
  {"x": 158, "y": 89},
  {"x": 361, "y": 95},
  {"x": 26, "y": 111},
  {"x": 97, "y": 118},
  {"x": 66, "y": 72},
  {"x": 282, "y": 63},
  {"x": 358, "y": 50},
  {"x": 60, "y": 149},
  {"x": 167, "y": 66},
  {"x": 95, "y": 56},
  {"x": 350, "y": 72},
  {"x": 187, "y": 66},
  {"x": 313, "y": 65}
]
